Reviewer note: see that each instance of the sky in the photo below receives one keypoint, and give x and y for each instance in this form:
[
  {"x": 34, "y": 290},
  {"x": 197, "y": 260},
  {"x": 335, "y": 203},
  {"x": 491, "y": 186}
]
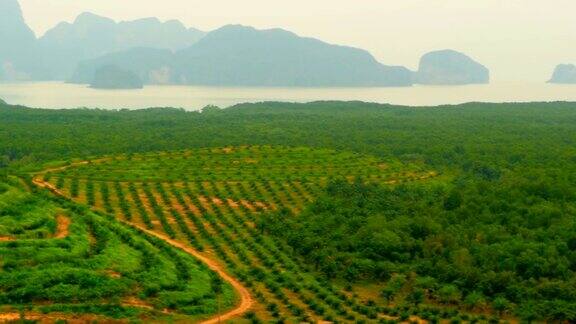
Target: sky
[{"x": 518, "y": 40}]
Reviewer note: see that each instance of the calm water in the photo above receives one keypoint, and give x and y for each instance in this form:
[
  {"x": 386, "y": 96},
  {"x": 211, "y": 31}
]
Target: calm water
[{"x": 60, "y": 95}]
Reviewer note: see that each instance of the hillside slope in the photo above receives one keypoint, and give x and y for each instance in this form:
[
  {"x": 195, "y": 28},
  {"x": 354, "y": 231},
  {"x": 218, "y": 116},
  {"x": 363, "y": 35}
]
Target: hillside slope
[
  {"x": 244, "y": 56},
  {"x": 60, "y": 259}
]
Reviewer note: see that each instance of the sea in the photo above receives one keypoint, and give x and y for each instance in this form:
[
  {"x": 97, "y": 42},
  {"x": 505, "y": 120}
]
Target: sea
[{"x": 59, "y": 95}]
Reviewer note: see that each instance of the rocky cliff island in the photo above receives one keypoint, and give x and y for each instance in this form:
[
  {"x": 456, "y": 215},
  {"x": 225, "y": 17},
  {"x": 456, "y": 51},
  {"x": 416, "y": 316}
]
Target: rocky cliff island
[
  {"x": 450, "y": 67},
  {"x": 564, "y": 74}
]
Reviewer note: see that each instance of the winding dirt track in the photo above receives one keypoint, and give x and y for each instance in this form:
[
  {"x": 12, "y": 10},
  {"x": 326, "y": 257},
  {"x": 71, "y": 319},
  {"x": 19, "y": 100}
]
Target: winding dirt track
[{"x": 246, "y": 300}]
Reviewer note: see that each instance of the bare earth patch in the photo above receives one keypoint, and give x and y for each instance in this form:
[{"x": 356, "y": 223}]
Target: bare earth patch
[
  {"x": 228, "y": 150},
  {"x": 135, "y": 302},
  {"x": 233, "y": 204},
  {"x": 113, "y": 274},
  {"x": 62, "y": 230},
  {"x": 53, "y": 317}
]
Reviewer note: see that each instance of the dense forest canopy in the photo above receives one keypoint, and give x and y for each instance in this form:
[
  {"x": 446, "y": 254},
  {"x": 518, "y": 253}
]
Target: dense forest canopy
[
  {"x": 504, "y": 136},
  {"x": 482, "y": 245}
]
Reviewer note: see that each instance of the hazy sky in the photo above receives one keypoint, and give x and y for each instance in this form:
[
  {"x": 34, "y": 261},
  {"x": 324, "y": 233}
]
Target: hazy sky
[{"x": 516, "y": 39}]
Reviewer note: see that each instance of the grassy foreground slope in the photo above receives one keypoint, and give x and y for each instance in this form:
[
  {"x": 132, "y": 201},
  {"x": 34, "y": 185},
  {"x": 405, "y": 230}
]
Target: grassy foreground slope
[{"x": 60, "y": 260}]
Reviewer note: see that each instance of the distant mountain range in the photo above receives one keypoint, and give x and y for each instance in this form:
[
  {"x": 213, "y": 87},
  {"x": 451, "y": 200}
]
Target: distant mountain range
[
  {"x": 91, "y": 36},
  {"x": 243, "y": 56},
  {"x": 169, "y": 53},
  {"x": 56, "y": 55},
  {"x": 238, "y": 55}
]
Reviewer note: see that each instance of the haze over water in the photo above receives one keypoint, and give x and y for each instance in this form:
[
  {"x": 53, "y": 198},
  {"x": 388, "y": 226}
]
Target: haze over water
[{"x": 56, "y": 95}]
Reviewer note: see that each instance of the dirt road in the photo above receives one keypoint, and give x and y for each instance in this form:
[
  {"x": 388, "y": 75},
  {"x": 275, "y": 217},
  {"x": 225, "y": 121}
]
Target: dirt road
[{"x": 246, "y": 300}]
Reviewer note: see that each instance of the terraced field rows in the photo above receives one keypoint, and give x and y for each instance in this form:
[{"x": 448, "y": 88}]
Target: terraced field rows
[
  {"x": 59, "y": 259},
  {"x": 213, "y": 199}
]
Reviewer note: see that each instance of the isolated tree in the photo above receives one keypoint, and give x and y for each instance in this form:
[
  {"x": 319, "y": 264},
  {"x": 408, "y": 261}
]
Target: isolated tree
[
  {"x": 501, "y": 305},
  {"x": 475, "y": 300},
  {"x": 388, "y": 294},
  {"x": 416, "y": 296},
  {"x": 449, "y": 294}
]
